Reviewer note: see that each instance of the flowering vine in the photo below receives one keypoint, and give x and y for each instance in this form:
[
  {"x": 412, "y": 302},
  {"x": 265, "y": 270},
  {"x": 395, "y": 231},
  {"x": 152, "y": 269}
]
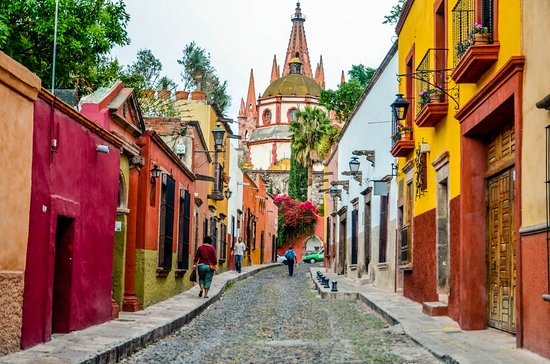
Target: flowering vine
[{"x": 295, "y": 218}]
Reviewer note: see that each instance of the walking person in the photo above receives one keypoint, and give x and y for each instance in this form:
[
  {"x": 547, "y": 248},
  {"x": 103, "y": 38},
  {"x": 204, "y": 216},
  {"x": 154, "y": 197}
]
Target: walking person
[
  {"x": 238, "y": 252},
  {"x": 207, "y": 262},
  {"x": 290, "y": 256}
]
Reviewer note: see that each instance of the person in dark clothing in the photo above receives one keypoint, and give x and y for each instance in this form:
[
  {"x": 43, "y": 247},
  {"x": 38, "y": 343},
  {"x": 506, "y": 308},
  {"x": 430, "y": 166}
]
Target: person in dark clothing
[
  {"x": 206, "y": 262},
  {"x": 290, "y": 256}
]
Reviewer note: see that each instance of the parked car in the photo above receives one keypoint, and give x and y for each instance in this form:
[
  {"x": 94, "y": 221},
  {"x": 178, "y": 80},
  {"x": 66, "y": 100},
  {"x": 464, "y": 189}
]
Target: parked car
[
  {"x": 315, "y": 257},
  {"x": 281, "y": 259}
]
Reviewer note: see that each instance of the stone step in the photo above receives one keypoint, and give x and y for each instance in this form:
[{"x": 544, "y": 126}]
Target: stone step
[{"x": 435, "y": 308}]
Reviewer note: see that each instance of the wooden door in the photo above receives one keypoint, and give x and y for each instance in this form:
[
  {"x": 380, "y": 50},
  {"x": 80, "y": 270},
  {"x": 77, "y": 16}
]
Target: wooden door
[
  {"x": 342, "y": 248},
  {"x": 501, "y": 247}
]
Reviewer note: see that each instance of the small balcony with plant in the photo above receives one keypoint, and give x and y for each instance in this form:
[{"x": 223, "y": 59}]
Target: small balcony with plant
[
  {"x": 475, "y": 50},
  {"x": 431, "y": 88},
  {"x": 402, "y": 138}
]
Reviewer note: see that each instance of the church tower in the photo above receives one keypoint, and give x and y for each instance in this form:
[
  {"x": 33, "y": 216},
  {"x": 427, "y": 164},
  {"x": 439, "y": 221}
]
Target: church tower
[{"x": 264, "y": 124}]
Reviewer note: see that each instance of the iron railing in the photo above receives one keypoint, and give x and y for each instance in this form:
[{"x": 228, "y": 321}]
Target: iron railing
[
  {"x": 464, "y": 20},
  {"x": 431, "y": 77}
]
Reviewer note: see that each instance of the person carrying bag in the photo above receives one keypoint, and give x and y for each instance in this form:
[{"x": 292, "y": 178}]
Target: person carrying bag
[{"x": 206, "y": 263}]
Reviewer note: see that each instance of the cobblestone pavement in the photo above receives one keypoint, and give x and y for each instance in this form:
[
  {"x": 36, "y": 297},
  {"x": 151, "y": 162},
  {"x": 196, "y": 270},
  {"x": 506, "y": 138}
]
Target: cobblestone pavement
[{"x": 274, "y": 318}]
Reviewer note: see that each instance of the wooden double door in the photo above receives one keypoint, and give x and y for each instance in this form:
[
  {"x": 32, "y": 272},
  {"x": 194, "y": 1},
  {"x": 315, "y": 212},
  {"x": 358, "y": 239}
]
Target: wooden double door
[{"x": 501, "y": 242}]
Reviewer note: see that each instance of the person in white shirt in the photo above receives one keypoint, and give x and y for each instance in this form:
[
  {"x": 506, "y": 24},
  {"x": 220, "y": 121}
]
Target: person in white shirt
[{"x": 238, "y": 251}]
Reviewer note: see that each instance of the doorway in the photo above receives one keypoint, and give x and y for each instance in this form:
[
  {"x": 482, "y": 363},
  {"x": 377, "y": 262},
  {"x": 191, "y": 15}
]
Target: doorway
[
  {"x": 501, "y": 247},
  {"x": 342, "y": 247},
  {"x": 63, "y": 271},
  {"x": 442, "y": 239}
]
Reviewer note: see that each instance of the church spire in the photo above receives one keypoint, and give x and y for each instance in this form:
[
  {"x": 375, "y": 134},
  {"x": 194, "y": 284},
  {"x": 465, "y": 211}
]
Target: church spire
[
  {"x": 297, "y": 45},
  {"x": 242, "y": 109},
  {"x": 342, "y": 78},
  {"x": 320, "y": 74},
  {"x": 251, "y": 98},
  {"x": 274, "y": 69}
]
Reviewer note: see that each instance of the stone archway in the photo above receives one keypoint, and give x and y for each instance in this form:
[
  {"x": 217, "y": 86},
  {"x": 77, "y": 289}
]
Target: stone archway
[{"x": 312, "y": 244}]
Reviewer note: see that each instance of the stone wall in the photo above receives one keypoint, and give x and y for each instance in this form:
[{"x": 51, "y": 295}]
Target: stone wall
[{"x": 11, "y": 310}]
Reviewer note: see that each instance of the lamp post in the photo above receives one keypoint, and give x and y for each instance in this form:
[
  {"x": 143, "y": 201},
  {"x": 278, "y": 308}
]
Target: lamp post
[{"x": 219, "y": 134}]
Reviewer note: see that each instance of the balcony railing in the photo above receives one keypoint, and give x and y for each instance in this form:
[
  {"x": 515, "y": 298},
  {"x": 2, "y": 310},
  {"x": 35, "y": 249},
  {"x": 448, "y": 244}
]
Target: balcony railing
[
  {"x": 465, "y": 23},
  {"x": 431, "y": 78}
]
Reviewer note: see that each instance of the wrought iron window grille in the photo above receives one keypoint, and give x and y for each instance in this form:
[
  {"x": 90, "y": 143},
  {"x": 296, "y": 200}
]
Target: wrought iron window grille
[
  {"x": 433, "y": 77},
  {"x": 465, "y": 26}
]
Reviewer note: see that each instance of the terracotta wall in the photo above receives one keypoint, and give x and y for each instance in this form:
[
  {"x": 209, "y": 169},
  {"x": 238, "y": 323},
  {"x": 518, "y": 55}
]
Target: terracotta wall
[
  {"x": 77, "y": 183},
  {"x": 18, "y": 90},
  {"x": 454, "y": 295},
  {"x": 419, "y": 284},
  {"x": 536, "y": 312}
]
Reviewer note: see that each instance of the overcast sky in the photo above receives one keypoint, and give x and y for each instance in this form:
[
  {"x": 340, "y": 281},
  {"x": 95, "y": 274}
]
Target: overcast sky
[{"x": 245, "y": 34}]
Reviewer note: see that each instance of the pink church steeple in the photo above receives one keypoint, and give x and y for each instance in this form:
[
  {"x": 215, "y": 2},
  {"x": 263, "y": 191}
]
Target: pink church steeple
[{"x": 297, "y": 45}]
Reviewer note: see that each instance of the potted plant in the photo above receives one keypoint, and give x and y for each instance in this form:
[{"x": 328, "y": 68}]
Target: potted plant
[
  {"x": 480, "y": 34},
  {"x": 463, "y": 46},
  {"x": 429, "y": 95},
  {"x": 403, "y": 132}
]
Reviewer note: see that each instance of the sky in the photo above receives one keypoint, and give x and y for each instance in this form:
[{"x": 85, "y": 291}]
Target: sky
[{"x": 245, "y": 34}]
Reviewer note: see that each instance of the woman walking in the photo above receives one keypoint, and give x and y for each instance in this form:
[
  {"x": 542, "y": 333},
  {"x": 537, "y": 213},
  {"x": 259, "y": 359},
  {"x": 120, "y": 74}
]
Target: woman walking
[{"x": 207, "y": 261}]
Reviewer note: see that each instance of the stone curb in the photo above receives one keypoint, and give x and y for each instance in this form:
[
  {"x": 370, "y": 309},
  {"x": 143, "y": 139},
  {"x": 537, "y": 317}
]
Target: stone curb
[{"x": 387, "y": 316}]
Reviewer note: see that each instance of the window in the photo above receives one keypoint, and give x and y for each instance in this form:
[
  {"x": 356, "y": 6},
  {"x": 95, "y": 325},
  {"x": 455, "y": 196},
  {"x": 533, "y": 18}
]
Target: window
[
  {"x": 406, "y": 229},
  {"x": 204, "y": 230},
  {"x": 292, "y": 114},
  {"x": 232, "y": 232},
  {"x": 354, "y": 218},
  {"x": 166, "y": 225},
  {"x": 214, "y": 231},
  {"x": 223, "y": 241},
  {"x": 383, "y": 242},
  {"x": 183, "y": 230},
  {"x": 267, "y": 116}
]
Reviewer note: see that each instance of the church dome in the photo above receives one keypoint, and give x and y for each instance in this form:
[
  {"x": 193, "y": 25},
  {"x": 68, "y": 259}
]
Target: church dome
[{"x": 293, "y": 85}]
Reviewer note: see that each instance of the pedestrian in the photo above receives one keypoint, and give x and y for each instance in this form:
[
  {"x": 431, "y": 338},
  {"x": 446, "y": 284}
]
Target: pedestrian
[
  {"x": 290, "y": 256},
  {"x": 238, "y": 252},
  {"x": 206, "y": 261}
]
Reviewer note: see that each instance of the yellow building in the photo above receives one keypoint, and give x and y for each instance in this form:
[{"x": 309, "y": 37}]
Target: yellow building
[
  {"x": 214, "y": 218},
  {"x": 460, "y": 65}
]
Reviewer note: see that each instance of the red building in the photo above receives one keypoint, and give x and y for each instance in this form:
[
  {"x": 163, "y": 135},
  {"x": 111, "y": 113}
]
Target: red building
[{"x": 75, "y": 173}]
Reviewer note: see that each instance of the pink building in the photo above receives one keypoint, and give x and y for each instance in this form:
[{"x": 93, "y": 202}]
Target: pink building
[{"x": 75, "y": 173}]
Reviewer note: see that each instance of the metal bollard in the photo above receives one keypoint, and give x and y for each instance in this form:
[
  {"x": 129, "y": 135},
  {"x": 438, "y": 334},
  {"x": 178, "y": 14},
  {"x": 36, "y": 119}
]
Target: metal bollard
[
  {"x": 325, "y": 283},
  {"x": 334, "y": 289}
]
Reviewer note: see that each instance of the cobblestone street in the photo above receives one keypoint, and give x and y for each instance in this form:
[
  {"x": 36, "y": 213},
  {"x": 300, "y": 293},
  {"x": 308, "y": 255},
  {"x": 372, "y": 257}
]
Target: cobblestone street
[{"x": 273, "y": 318}]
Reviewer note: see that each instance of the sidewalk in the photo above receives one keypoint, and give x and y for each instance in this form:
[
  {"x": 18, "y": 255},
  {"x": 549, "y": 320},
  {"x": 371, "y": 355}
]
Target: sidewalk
[
  {"x": 116, "y": 339},
  {"x": 438, "y": 334}
]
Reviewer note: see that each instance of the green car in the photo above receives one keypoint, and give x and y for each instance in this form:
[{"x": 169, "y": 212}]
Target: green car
[{"x": 315, "y": 257}]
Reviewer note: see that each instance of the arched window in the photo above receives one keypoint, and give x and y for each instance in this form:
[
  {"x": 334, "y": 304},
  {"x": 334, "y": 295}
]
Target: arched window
[
  {"x": 291, "y": 114},
  {"x": 267, "y": 116}
]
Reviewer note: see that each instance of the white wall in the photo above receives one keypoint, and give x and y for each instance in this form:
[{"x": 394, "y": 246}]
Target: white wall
[
  {"x": 235, "y": 185},
  {"x": 370, "y": 129}
]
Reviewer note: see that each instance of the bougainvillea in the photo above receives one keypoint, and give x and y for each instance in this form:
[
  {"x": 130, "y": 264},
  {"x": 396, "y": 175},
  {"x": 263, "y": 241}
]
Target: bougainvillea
[{"x": 295, "y": 218}]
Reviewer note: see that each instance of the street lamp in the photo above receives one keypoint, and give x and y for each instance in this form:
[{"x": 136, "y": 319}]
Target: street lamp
[
  {"x": 399, "y": 108},
  {"x": 155, "y": 173},
  {"x": 354, "y": 165},
  {"x": 333, "y": 192},
  {"x": 228, "y": 193},
  {"x": 219, "y": 134}
]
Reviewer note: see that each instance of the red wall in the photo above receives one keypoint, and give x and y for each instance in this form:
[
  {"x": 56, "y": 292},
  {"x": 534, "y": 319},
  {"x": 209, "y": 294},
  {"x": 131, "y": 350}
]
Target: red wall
[
  {"x": 419, "y": 284},
  {"x": 535, "y": 312},
  {"x": 454, "y": 295},
  {"x": 77, "y": 182}
]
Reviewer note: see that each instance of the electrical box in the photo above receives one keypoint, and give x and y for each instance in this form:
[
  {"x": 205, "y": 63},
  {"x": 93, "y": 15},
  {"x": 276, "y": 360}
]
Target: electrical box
[{"x": 180, "y": 149}]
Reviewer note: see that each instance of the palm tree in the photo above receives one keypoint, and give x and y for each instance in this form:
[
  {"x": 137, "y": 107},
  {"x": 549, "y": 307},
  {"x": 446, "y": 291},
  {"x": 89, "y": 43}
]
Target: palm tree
[{"x": 309, "y": 132}]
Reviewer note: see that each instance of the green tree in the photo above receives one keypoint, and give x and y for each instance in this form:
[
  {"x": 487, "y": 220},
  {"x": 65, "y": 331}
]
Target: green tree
[
  {"x": 307, "y": 130},
  {"x": 343, "y": 100},
  {"x": 87, "y": 31},
  {"x": 297, "y": 179},
  {"x": 198, "y": 73},
  {"x": 146, "y": 74},
  {"x": 395, "y": 13}
]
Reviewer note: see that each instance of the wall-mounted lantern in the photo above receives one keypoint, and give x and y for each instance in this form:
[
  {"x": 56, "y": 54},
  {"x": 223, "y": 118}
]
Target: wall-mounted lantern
[
  {"x": 155, "y": 173},
  {"x": 354, "y": 165},
  {"x": 219, "y": 134},
  {"x": 399, "y": 108},
  {"x": 228, "y": 193}
]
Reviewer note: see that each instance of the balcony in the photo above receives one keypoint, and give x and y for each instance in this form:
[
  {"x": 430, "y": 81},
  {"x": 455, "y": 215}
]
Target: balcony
[
  {"x": 402, "y": 140},
  {"x": 474, "y": 48},
  {"x": 431, "y": 88}
]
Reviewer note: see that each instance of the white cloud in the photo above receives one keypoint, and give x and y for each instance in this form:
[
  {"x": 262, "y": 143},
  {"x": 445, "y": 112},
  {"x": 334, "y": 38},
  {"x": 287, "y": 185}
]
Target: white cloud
[{"x": 245, "y": 34}]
